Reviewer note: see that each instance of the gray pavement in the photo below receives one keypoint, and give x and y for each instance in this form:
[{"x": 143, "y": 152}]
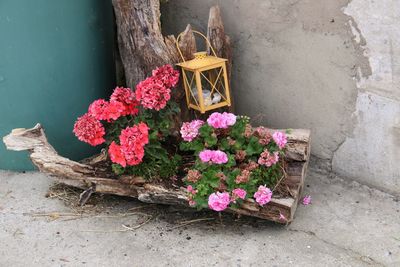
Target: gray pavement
[{"x": 347, "y": 224}]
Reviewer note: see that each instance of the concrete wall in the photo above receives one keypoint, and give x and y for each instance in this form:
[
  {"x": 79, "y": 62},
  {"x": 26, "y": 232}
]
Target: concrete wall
[{"x": 330, "y": 66}]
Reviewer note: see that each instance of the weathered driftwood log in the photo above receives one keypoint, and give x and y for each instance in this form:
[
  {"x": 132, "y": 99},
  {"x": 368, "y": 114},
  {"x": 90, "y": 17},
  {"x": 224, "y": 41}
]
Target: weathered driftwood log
[{"x": 85, "y": 175}]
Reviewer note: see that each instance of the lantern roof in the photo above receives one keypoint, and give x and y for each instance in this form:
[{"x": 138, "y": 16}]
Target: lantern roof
[{"x": 202, "y": 64}]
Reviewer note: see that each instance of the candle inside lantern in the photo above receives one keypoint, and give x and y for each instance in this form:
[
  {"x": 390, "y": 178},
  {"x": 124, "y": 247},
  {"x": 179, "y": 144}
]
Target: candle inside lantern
[{"x": 208, "y": 101}]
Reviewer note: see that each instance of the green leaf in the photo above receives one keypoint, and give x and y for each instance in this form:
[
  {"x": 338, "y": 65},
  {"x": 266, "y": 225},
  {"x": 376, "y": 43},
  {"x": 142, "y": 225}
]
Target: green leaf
[
  {"x": 211, "y": 141},
  {"x": 206, "y": 131},
  {"x": 224, "y": 144},
  {"x": 289, "y": 131},
  {"x": 117, "y": 169},
  {"x": 254, "y": 147}
]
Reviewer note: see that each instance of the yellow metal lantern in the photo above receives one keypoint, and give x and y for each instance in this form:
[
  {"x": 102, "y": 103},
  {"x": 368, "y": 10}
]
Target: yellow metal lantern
[{"x": 205, "y": 80}]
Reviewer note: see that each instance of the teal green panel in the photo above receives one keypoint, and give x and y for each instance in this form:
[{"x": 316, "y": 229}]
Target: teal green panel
[{"x": 56, "y": 57}]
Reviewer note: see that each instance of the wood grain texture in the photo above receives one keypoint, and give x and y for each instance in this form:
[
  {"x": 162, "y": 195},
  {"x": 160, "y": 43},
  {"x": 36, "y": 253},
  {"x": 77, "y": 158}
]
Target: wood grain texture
[
  {"x": 85, "y": 175},
  {"x": 187, "y": 43},
  {"x": 220, "y": 42}
]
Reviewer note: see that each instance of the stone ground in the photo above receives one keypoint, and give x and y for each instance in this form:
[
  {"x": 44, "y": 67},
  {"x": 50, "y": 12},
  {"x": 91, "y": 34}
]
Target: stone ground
[{"x": 346, "y": 225}]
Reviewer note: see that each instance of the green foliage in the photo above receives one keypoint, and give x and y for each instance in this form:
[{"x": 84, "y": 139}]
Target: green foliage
[
  {"x": 118, "y": 169},
  {"x": 253, "y": 147},
  {"x": 153, "y": 168}
]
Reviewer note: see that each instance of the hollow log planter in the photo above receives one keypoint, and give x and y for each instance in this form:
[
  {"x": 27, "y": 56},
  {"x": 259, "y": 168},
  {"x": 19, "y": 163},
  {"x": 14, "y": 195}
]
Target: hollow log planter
[{"x": 92, "y": 179}]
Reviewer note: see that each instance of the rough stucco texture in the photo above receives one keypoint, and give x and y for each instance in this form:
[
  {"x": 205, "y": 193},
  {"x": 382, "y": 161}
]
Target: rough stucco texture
[
  {"x": 372, "y": 154},
  {"x": 324, "y": 65}
]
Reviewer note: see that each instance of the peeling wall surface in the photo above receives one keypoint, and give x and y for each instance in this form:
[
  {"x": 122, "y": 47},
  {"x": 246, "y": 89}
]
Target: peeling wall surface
[
  {"x": 372, "y": 153},
  {"x": 330, "y": 66}
]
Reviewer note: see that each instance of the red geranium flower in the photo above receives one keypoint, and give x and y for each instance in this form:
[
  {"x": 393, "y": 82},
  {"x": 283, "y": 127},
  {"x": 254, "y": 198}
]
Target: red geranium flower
[
  {"x": 116, "y": 154},
  {"x": 98, "y": 109},
  {"x": 167, "y": 75},
  {"x": 127, "y": 97},
  {"x": 133, "y": 139},
  {"x": 88, "y": 129},
  {"x": 152, "y": 93},
  {"x": 114, "y": 110},
  {"x": 104, "y": 110}
]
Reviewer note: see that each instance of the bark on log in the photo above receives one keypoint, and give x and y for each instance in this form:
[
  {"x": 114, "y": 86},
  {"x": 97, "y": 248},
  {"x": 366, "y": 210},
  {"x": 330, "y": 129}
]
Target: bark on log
[
  {"x": 141, "y": 43},
  {"x": 220, "y": 42},
  {"x": 187, "y": 43},
  {"x": 85, "y": 175}
]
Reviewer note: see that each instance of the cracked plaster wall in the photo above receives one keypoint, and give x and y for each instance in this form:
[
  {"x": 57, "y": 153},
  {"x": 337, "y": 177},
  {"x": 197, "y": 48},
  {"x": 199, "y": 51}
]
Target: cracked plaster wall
[
  {"x": 324, "y": 65},
  {"x": 371, "y": 154}
]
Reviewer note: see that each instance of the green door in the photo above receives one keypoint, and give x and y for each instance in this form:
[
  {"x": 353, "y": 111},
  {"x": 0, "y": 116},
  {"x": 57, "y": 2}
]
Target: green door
[{"x": 56, "y": 56}]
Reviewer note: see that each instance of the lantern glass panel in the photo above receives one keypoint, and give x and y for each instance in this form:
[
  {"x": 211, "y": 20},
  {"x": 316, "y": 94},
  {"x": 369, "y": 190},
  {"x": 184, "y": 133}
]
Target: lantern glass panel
[
  {"x": 190, "y": 85},
  {"x": 213, "y": 86}
]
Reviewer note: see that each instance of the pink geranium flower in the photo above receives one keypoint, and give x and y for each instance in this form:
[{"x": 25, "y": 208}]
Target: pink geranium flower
[
  {"x": 191, "y": 190},
  {"x": 306, "y": 200},
  {"x": 238, "y": 193},
  {"x": 221, "y": 120},
  {"x": 263, "y": 195},
  {"x": 267, "y": 159},
  {"x": 218, "y": 201},
  {"x": 192, "y": 203},
  {"x": 206, "y": 155},
  {"x": 219, "y": 157},
  {"x": 190, "y": 130},
  {"x": 214, "y": 156},
  {"x": 280, "y": 139}
]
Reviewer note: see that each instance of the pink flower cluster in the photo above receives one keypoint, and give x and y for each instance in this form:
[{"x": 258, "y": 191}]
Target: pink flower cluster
[
  {"x": 155, "y": 91},
  {"x": 218, "y": 201},
  {"x": 190, "y": 130},
  {"x": 221, "y": 120},
  {"x": 131, "y": 148},
  {"x": 88, "y": 129},
  {"x": 214, "y": 156},
  {"x": 263, "y": 134},
  {"x": 238, "y": 193},
  {"x": 192, "y": 192},
  {"x": 263, "y": 195},
  {"x": 267, "y": 159},
  {"x": 122, "y": 102},
  {"x": 280, "y": 139},
  {"x": 243, "y": 177}
]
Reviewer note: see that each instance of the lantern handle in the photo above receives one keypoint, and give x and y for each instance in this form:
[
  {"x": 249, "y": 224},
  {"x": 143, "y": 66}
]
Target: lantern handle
[{"x": 199, "y": 33}]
